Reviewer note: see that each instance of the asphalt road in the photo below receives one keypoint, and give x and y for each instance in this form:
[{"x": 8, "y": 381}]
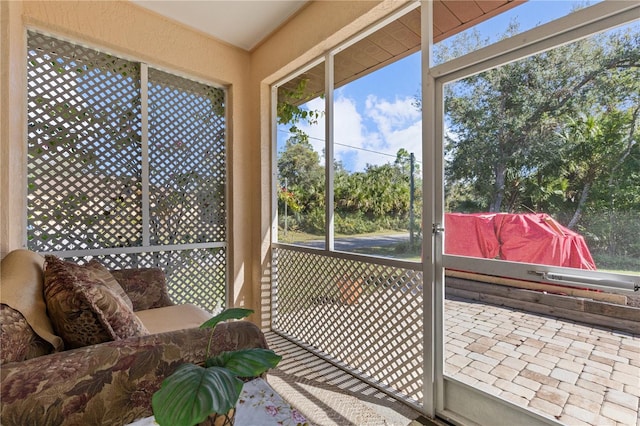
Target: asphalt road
[{"x": 352, "y": 243}]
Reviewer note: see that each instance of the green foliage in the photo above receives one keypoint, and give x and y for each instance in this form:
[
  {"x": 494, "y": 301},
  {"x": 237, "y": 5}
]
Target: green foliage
[
  {"x": 357, "y": 223},
  {"x": 301, "y": 186},
  {"x": 377, "y": 191},
  {"x": 463, "y": 199},
  {"x": 227, "y": 314},
  {"x": 510, "y": 140},
  {"x": 615, "y": 263},
  {"x": 368, "y": 201},
  {"x": 289, "y": 110},
  {"x": 313, "y": 222},
  {"x": 192, "y": 393},
  {"x": 354, "y": 223},
  {"x": 612, "y": 233},
  {"x": 407, "y": 248},
  {"x": 246, "y": 362}
]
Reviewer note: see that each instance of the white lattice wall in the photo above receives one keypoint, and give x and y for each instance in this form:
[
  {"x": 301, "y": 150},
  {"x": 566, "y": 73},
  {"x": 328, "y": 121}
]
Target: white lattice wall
[
  {"x": 127, "y": 164},
  {"x": 365, "y": 315}
]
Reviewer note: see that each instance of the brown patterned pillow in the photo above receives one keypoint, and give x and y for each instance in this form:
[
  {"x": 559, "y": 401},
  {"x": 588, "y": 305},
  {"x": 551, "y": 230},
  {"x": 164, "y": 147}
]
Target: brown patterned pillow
[
  {"x": 147, "y": 287},
  {"x": 103, "y": 273},
  {"x": 83, "y": 309}
]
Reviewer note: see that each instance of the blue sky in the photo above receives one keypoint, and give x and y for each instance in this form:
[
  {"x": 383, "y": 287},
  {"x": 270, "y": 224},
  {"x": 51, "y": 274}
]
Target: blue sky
[{"x": 375, "y": 115}]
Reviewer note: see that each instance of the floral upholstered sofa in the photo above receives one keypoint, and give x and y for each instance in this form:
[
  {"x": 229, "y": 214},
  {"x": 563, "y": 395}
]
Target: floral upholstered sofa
[{"x": 81, "y": 345}]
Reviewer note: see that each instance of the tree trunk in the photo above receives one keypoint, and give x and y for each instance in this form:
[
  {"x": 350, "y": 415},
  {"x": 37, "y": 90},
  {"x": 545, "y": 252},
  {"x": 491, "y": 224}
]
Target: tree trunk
[
  {"x": 496, "y": 203},
  {"x": 583, "y": 199}
]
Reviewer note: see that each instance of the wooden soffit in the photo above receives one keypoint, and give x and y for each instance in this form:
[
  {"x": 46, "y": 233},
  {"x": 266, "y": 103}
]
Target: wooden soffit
[{"x": 400, "y": 39}]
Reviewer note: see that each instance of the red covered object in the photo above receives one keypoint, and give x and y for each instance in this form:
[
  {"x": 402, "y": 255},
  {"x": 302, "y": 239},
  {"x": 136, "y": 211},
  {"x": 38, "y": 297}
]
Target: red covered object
[{"x": 528, "y": 238}]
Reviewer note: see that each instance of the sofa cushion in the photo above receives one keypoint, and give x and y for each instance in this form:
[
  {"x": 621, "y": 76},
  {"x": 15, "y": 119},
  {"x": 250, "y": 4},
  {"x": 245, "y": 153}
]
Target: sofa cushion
[
  {"x": 172, "y": 318},
  {"x": 83, "y": 309},
  {"x": 17, "y": 339},
  {"x": 146, "y": 287},
  {"x": 21, "y": 279}
]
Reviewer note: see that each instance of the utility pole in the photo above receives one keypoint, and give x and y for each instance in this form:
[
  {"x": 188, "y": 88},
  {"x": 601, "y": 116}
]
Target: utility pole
[
  {"x": 286, "y": 203},
  {"x": 411, "y": 189}
]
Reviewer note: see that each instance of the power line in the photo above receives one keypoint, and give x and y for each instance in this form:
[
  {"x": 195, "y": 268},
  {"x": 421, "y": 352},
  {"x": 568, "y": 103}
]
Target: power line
[{"x": 348, "y": 146}]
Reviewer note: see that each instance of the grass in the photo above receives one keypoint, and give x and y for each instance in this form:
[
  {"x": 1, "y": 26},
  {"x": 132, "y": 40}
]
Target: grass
[
  {"x": 297, "y": 237},
  {"x": 303, "y": 237},
  {"x": 617, "y": 264}
]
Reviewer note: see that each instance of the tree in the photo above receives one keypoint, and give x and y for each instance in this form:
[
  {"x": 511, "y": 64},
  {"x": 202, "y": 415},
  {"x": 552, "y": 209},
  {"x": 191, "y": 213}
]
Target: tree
[
  {"x": 378, "y": 191},
  {"x": 596, "y": 146},
  {"x": 556, "y": 132},
  {"x": 507, "y": 124},
  {"x": 301, "y": 181}
]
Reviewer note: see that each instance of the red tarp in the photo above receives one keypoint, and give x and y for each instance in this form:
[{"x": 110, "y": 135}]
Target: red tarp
[{"x": 529, "y": 238}]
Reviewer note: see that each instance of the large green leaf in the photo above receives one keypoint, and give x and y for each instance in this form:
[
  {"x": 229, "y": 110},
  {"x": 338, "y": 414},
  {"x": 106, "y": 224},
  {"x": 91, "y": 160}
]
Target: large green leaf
[
  {"x": 192, "y": 393},
  {"x": 246, "y": 362},
  {"x": 227, "y": 314}
]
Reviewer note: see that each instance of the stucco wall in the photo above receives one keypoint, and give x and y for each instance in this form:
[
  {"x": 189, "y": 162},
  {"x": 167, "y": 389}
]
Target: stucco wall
[
  {"x": 11, "y": 126},
  {"x": 127, "y": 30}
]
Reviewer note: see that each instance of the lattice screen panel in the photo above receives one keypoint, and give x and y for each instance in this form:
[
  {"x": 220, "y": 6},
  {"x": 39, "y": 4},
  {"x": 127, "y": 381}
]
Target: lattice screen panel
[
  {"x": 187, "y": 161},
  {"x": 365, "y": 315},
  {"x": 83, "y": 147},
  {"x": 193, "y": 276},
  {"x": 85, "y": 162}
]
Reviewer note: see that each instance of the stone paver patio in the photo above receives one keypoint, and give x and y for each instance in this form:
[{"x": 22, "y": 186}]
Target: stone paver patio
[{"x": 577, "y": 373}]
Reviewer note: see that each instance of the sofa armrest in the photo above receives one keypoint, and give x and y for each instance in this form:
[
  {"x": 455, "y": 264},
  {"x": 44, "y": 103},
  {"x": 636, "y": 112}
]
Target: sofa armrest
[
  {"x": 146, "y": 287},
  {"x": 110, "y": 383}
]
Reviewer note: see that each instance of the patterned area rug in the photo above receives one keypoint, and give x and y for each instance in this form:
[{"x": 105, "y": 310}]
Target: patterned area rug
[{"x": 259, "y": 405}]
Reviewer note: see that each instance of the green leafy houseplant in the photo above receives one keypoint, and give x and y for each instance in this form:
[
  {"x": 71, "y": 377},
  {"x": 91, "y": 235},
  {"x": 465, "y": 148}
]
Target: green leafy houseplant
[{"x": 193, "y": 392}]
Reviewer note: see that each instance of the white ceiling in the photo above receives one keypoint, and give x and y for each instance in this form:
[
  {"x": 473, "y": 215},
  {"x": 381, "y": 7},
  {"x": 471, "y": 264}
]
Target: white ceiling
[{"x": 243, "y": 23}]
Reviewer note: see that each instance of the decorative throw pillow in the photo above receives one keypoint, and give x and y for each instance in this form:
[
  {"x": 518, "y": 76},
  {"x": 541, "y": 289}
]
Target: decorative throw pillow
[
  {"x": 146, "y": 287},
  {"x": 103, "y": 274},
  {"x": 83, "y": 309}
]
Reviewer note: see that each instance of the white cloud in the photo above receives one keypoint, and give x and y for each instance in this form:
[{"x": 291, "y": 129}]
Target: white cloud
[
  {"x": 399, "y": 122},
  {"x": 391, "y": 115},
  {"x": 361, "y": 136},
  {"x": 354, "y": 141}
]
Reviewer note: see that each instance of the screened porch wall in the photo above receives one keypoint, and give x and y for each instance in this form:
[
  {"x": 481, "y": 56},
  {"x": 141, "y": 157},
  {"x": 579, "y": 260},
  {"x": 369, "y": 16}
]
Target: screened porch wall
[
  {"x": 127, "y": 164},
  {"x": 364, "y": 314}
]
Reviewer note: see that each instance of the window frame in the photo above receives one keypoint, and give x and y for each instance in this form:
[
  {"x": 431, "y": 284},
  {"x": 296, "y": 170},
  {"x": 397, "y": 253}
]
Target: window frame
[{"x": 329, "y": 88}]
